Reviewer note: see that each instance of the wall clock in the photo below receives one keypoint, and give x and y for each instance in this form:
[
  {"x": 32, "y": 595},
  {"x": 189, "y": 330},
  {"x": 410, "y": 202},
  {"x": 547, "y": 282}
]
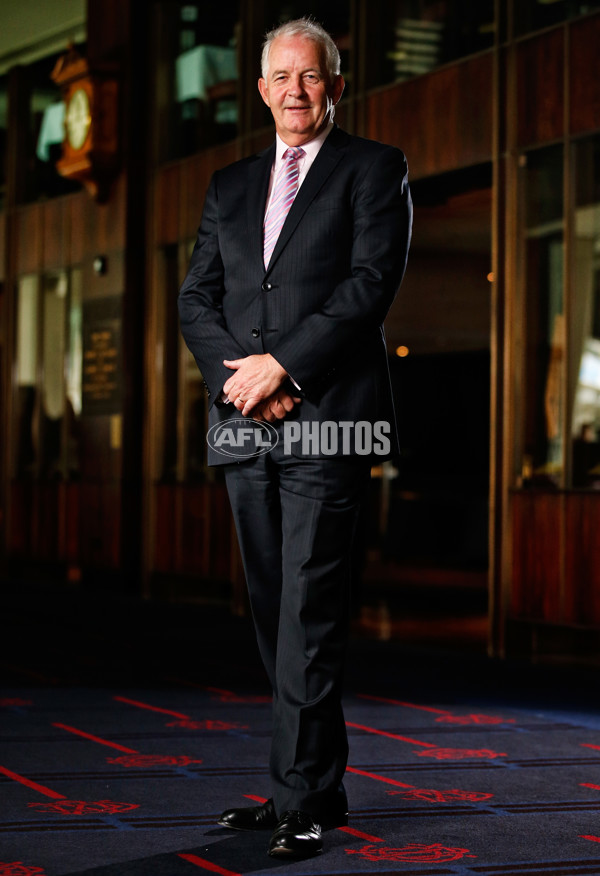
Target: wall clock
[
  {"x": 78, "y": 118},
  {"x": 90, "y": 145}
]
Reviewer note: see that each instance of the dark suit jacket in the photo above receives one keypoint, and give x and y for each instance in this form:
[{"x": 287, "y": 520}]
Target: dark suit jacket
[{"x": 320, "y": 306}]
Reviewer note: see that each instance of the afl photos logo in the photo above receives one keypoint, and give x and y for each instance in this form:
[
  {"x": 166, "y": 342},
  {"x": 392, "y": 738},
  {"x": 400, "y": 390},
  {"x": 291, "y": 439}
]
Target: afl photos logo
[{"x": 241, "y": 438}]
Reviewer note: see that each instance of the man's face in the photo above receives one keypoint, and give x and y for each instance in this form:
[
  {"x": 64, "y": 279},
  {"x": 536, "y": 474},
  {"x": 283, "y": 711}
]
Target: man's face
[{"x": 297, "y": 89}]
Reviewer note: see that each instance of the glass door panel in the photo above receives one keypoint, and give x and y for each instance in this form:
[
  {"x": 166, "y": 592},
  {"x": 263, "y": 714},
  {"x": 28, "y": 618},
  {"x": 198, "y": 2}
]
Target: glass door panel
[
  {"x": 585, "y": 330},
  {"x": 544, "y": 319}
]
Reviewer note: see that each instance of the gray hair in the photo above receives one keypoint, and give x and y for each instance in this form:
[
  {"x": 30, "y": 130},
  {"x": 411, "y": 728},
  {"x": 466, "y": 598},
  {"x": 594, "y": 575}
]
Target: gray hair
[{"x": 310, "y": 30}]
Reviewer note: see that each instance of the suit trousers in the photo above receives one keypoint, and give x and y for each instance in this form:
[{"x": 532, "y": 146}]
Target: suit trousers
[{"x": 295, "y": 520}]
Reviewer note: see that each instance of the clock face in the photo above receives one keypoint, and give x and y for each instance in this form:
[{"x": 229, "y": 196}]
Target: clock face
[{"x": 78, "y": 118}]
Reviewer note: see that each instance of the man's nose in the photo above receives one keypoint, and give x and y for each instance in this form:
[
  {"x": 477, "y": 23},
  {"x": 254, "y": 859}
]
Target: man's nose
[{"x": 296, "y": 85}]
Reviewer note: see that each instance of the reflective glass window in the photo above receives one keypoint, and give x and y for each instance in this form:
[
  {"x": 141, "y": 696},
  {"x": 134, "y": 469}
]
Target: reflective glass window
[
  {"x": 197, "y": 85},
  {"x": 181, "y": 400},
  {"x": 3, "y": 129},
  {"x": 585, "y": 329},
  {"x": 48, "y": 374},
  {"x": 54, "y": 339},
  {"x": 533, "y": 15},
  {"x": 26, "y": 397},
  {"x": 74, "y": 371},
  {"x": 413, "y": 37},
  {"x": 542, "y": 279}
]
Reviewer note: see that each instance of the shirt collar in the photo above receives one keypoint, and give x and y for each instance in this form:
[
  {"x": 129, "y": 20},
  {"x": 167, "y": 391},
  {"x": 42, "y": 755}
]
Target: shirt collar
[{"x": 311, "y": 148}]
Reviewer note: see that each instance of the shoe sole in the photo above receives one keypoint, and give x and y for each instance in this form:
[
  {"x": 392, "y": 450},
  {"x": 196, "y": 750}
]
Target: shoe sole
[
  {"x": 246, "y": 829},
  {"x": 332, "y": 825}
]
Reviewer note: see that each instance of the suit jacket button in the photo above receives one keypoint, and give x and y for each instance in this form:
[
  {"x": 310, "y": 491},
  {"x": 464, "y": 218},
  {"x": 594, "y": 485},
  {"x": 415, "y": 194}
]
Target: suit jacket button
[
  {"x": 266, "y": 286},
  {"x": 255, "y": 333}
]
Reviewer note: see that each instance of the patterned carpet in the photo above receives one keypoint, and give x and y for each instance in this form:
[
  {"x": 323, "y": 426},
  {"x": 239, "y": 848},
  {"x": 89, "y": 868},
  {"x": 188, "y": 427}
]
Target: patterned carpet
[{"x": 119, "y": 747}]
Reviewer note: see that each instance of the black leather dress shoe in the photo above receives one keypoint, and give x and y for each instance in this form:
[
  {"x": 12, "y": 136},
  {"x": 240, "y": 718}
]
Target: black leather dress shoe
[
  {"x": 250, "y": 817},
  {"x": 297, "y": 835}
]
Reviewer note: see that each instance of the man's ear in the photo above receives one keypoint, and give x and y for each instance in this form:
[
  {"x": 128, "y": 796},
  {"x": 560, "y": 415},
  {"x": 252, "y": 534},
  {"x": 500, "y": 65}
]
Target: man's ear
[
  {"x": 264, "y": 93},
  {"x": 337, "y": 88}
]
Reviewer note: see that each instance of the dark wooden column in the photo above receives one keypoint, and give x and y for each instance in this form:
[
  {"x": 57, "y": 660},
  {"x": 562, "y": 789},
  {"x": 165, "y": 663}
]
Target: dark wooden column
[
  {"x": 118, "y": 35},
  {"x": 136, "y": 114},
  {"x": 19, "y": 94},
  {"x": 3, "y": 384},
  {"x": 499, "y": 426}
]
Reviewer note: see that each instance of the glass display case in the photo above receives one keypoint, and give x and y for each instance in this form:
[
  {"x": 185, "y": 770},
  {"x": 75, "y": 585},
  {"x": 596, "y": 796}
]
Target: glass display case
[
  {"x": 543, "y": 316},
  {"x": 585, "y": 330},
  {"x": 531, "y": 15},
  {"x": 412, "y": 37},
  {"x": 48, "y": 374},
  {"x": 197, "y": 75}
]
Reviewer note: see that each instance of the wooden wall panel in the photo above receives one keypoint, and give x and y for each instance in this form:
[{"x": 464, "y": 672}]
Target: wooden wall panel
[
  {"x": 108, "y": 285},
  {"x": 164, "y": 537},
  {"x": 442, "y": 121},
  {"x": 71, "y": 521},
  {"x": 55, "y": 217},
  {"x": 2, "y": 246},
  {"x": 21, "y": 513},
  {"x": 167, "y": 208},
  {"x": 540, "y": 88},
  {"x": 108, "y": 24},
  {"x": 195, "y": 178},
  {"x": 29, "y": 238},
  {"x": 99, "y": 460},
  {"x": 475, "y": 90},
  {"x": 444, "y": 302},
  {"x": 582, "y": 559},
  {"x": 115, "y": 211},
  {"x": 78, "y": 207},
  {"x": 68, "y": 230},
  {"x": 194, "y": 541},
  {"x": 194, "y": 183},
  {"x": 343, "y": 115},
  {"x": 102, "y": 225},
  {"x": 584, "y": 75},
  {"x": 44, "y": 521},
  {"x": 193, "y": 512},
  {"x": 100, "y": 525},
  {"x": 193, "y": 530},
  {"x": 259, "y": 140},
  {"x": 223, "y": 540},
  {"x": 537, "y": 560},
  {"x": 556, "y": 565},
  {"x": 110, "y": 220}
]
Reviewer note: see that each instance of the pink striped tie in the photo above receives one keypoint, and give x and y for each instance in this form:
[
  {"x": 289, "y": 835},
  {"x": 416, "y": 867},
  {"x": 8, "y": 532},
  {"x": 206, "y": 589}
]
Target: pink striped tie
[{"x": 282, "y": 197}]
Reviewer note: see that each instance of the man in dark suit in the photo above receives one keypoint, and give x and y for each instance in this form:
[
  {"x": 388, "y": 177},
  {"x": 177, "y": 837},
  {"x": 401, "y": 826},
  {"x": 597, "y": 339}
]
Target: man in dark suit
[{"x": 283, "y": 308}]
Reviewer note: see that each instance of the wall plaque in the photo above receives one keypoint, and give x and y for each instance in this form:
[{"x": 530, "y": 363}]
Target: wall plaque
[{"x": 102, "y": 371}]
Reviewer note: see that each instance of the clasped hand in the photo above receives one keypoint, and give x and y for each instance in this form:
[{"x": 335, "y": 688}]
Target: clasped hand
[{"x": 255, "y": 388}]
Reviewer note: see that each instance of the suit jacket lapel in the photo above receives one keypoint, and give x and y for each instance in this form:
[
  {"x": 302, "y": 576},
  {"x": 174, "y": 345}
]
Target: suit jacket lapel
[
  {"x": 324, "y": 164},
  {"x": 259, "y": 175}
]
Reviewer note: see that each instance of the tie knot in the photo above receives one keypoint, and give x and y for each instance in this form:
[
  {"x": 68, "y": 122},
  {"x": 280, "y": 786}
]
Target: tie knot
[{"x": 293, "y": 153}]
